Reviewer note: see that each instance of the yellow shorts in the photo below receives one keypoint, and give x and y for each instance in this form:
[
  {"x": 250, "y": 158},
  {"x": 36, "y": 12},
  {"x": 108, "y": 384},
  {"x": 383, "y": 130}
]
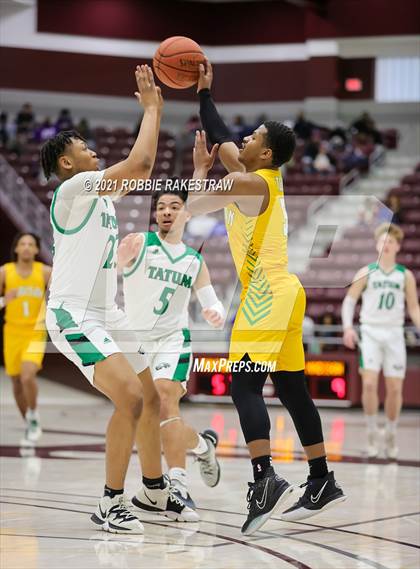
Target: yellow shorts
[
  {"x": 270, "y": 330},
  {"x": 22, "y": 345}
]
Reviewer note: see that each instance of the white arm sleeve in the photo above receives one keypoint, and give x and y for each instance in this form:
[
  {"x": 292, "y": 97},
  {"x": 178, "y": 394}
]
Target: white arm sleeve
[
  {"x": 208, "y": 299},
  {"x": 347, "y": 312}
]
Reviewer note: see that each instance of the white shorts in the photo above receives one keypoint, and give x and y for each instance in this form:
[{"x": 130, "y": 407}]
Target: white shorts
[
  {"x": 383, "y": 348},
  {"x": 89, "y": 336},
  {"x": 170, "y": 356}
]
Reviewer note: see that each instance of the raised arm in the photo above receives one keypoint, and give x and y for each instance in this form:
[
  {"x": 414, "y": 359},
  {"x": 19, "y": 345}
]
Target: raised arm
[
  {"x": 213, "y": 124},
  {"x": 241, "y": 188},
  {"x": 139, "y": 163},
  {"x": 412, "y": 299},
  {"x": 349, "y": 304}
]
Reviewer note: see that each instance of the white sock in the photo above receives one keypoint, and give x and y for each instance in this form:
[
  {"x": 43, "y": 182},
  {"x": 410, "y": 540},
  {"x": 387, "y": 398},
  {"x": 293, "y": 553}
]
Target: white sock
[
  {"x": 179, "y": 475},
  {"x": 391, "y": 426},
  {"x": 32, "y": 415},
  {"x": 371, "y": 422},
  {"x": 202, "y": 446}
]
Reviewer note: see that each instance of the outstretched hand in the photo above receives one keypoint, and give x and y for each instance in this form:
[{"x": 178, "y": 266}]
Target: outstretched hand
[
  {"x": 128, "y": 249},
  {"x": 205, "y": 76},
  {"x": 202, "y": 158},
  {"x": 148, "y": 94}
]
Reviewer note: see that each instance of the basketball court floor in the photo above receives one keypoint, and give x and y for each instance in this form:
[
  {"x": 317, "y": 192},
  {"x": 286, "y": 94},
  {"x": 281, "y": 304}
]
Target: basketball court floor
[{"x": 48, "y": 495}]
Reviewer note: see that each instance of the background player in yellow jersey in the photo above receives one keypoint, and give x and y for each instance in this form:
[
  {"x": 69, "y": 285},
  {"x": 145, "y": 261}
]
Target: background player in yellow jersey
[
  {"x": 24, "y": 281},
  {"x": 268, "y": 324}
]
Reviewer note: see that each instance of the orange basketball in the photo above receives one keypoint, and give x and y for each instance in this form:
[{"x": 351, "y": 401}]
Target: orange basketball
[{"x": 176, "y": 62}]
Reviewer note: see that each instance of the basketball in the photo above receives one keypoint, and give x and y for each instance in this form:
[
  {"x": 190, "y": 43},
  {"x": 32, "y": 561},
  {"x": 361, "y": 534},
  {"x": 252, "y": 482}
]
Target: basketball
[{"x": 176, "y": 62}]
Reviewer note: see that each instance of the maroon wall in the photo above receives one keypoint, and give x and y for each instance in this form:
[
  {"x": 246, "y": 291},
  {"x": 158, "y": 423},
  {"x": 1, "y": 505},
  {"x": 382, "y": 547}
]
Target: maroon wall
[
  {"x": 228, "y": 24},
  {"x": 105, "y": 75},
  {"x": 246, "y": 82},
  {"x": 211, "y": 24}
]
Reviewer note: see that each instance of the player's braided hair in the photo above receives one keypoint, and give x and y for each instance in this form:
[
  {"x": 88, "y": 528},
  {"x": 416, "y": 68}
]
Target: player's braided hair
[
  {"x": 53, "y": 148},
  {"x": 281, "y": 140}
]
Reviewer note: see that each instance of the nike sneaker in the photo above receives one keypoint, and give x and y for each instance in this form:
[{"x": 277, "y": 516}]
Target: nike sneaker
[
  {"x": 113, "y": 515},
  {"x": 182, "y": 492},
  {"x": 391, "y": 448},
  {"x": 264, "y": 497},
  {"x": 320, "y": 494},
  {"x": 164, "y": 501},
  {"x": 209, "y": 465}
]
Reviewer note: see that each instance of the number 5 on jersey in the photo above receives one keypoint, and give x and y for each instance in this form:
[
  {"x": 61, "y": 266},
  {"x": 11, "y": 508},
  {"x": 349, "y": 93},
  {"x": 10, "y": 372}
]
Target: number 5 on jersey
[{"x": 164, "y": 299}]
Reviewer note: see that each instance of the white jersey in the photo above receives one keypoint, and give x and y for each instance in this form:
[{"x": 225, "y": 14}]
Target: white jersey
[
  {"x": 157, "y": 287},
  {"x": 85, "y": 233},
  {"x": 383, "y": 299}
]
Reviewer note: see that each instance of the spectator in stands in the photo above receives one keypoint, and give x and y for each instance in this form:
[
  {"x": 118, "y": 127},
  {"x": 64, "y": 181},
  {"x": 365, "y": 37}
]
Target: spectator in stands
[
  {"x": 338, "y": 135},
  {"x": 25, "y": 119},
  {"x": 368, "y": 213},
  {"x": 394, "y": 205},
  {"x": 84, "y": 129},
  {"x": 19, "y": 143},
  {"x": 45, "y": 131},
  {"x": 240, "y": 129},
  {"x": 303, "y": 128},
  {"x": 384, "y": 213},
  {"x": 327, "y": 320},
  {"x": 64, "y": 121},
  {"x": 4, "y": 130},
  {"x": 354, "y": 157},
  {"x": 323, "y": 162},
  {"x": 366, "y": 125}
]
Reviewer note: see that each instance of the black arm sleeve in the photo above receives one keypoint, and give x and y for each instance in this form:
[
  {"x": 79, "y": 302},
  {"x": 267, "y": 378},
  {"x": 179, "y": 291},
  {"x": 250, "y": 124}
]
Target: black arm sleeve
[{"x": 212, "y": 122}]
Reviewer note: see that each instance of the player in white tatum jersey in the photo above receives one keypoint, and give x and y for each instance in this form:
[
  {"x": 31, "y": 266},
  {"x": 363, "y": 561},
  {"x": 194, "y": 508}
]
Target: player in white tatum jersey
[
  {"x": 159, "y": 273},
  {"x": 82, "y": 317},
  {"x": 385, "y": 288}
]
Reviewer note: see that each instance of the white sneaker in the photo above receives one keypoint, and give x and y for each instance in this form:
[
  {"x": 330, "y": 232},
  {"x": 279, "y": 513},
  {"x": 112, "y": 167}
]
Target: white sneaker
[
  {"x": 182, "y": 492},
  {"x": 391, "y": 448},
  {"x": 373, "y": 443},
  {"x": 164, "y": 501},
  {"x": 33, "y": 430},
  {"x": 209, "y": 465},
  {"x": 113, "y": 515}
]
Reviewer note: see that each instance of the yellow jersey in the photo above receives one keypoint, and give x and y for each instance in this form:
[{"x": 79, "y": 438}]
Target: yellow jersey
[
  {"x": 259, "y": 244},
  {"x": 268, "y": 324},
  {"x": 29, "y": 305}
]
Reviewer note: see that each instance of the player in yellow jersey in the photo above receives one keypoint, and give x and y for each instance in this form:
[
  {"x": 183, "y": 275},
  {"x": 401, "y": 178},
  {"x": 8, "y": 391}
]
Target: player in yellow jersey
[
  {"x": 268, "y": 324},
  {"x": 24, "y": 281}
]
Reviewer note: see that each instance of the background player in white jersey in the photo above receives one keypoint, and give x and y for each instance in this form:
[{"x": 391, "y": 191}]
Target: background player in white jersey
[
  {"x": 385, "y": 287},
  {"x": 159, "y": 274},
  {"x": 83, "y": 319}
]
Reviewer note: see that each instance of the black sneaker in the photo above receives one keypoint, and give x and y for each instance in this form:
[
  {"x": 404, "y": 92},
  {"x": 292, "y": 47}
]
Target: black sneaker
[
  {"x": 264, "y": 497},
  {"x": 320, "y": 494}
]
